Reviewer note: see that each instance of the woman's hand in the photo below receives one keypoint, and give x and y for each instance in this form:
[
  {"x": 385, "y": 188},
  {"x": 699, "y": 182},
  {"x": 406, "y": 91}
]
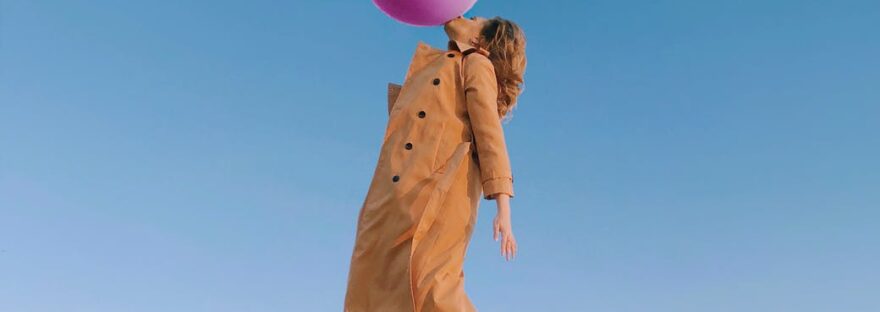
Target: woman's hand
[{"x": 503, "y": 227}]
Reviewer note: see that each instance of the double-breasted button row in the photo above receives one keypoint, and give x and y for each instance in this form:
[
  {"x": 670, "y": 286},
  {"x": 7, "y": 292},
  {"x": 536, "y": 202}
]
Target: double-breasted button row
[{"x": 421, "y": 114}]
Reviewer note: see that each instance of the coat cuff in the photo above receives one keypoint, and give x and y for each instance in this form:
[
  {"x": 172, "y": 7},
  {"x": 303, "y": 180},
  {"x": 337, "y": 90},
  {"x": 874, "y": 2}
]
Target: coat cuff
[{"x": 493, "y": 186}]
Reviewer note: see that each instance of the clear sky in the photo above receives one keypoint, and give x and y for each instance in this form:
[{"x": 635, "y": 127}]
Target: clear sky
[{"x": 678, "y": 156}]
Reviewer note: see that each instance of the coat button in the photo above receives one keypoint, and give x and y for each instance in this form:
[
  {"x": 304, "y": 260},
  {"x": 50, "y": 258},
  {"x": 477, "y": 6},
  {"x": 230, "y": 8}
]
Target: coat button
[
  {"x": 450, "y": 55},
  {"x": 436, "y": 81},
  {"x": 422, "y": 114},
  {"x": 408, "y": 146},
  {"x": 395, "y": 178}
]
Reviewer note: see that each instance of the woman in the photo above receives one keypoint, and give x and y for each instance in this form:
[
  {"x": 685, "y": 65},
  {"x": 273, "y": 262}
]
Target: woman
[{"x": 444, "y": 150}]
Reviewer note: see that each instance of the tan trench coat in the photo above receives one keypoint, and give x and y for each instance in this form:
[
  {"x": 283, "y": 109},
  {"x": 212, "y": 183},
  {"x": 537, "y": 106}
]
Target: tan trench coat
[{"x": 443, "y": 150}]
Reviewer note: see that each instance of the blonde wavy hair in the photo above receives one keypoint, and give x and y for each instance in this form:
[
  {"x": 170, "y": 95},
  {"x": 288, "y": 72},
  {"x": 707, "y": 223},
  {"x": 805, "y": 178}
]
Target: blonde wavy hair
[{"x": 506, "y": 44}]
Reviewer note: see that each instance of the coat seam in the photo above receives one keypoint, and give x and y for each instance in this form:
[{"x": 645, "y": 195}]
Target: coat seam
[{"x": 497, "y": 178}]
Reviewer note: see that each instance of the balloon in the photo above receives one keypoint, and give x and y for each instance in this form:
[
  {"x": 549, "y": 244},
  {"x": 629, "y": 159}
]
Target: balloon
[{"x": 424, "y": 12}]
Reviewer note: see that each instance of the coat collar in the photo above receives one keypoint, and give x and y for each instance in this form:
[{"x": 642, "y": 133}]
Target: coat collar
[{"x": 466, "y": 48}]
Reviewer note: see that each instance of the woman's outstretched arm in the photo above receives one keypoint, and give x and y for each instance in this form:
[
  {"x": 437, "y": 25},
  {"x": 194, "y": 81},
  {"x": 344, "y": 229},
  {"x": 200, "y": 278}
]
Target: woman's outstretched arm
[{"x": 481, "y": 90}]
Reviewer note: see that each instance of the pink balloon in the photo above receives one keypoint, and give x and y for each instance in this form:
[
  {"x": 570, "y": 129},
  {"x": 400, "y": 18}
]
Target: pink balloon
[{"x": 424, "y": 12}]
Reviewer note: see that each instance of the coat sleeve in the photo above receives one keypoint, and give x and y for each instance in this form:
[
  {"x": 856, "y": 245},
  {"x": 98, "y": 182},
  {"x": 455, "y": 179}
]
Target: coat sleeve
[
  {"x": 481, "y": 91},
  {"x": 393, "y": 92}
]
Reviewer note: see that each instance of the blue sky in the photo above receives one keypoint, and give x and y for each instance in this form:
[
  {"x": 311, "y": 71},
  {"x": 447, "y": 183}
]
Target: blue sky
[{"x": 213, "y": 155}]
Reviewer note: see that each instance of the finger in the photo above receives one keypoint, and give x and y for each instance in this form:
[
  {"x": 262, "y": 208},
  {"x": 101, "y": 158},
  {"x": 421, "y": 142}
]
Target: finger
[
  {"x": 503, "y": 245},
  {"x": 507, "y": 248},
  {"x": 515, "y": 248},
  {"x": 512, "y": 248},
  {"x": 495, "y": 231}
]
